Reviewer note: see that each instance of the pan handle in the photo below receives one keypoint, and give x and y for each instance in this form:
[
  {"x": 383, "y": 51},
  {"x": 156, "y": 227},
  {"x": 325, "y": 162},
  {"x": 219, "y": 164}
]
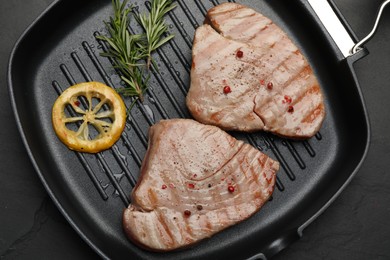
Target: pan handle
[
  {"x": 324, "y": 10},
  {"x": 333, "y": 25},
  {"x": 357, "y": 46}
]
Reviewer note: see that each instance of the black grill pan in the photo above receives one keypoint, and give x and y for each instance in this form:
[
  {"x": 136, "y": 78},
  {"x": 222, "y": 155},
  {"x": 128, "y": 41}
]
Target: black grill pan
[{"x": 60, "y": 49}]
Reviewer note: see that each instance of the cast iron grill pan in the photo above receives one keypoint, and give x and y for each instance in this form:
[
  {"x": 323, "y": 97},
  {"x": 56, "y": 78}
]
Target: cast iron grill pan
[{"x": 60, "y": 49}]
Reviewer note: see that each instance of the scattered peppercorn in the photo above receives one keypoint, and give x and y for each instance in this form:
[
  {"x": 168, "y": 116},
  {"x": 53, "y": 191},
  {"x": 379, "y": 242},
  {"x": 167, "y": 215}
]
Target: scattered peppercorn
[
  {"x": 270, "y": 85},
  {"x": 227, "y": 90},
  {"x": 199, "y": 207},
  {"x": 187, "y": 213},
  {"x": 287, "y": 99},
  {"x": 231, "y": 188},
  {"x": 239, "y": 54},
  {"x": 290, "y": 109},
  {"x": 191, "y": 185},
  {"x": 77, "y": 103},
  {"x": 164, "y": 187}
]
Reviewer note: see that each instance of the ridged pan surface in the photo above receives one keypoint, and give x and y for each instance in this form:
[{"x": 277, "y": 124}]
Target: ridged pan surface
[{"x": 61, "y": 49}]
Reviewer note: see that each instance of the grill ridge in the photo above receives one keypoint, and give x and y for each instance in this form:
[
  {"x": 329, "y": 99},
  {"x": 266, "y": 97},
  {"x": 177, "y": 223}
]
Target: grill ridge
[
  {"x": 252, "y": 141},
  {"x": 279, "y": 184},
  {"x": 273, "y": 147},
  {"x": 179, "y": 54},
  {"x": 179, "y": 26},
  {"x": 169, "y": 94},
  {"x": 264, "y": 138},
  {"x": 309, "y": 148},
  {"x": 287, "y": 143},
  {"x": 108, "y": 81},
  {"x": 161, "y": 81},
  {"x": 81, "y": 157},
  {"x": 138, "y": 131},
  {"x": 133, "y": 152},
  {"x": 174, "y": 74},
  {"x": 191, "y": 18},
  {"x": 158, "y": 104},
  {"x": 294, "y": 153},
  {"x": 113, "y": 179},
  {"x": 275, "y": 150},
  {"x": 201, "y": 7},
  {"x": 99, "y": 156},
  {"x": 119, "y": 159}
]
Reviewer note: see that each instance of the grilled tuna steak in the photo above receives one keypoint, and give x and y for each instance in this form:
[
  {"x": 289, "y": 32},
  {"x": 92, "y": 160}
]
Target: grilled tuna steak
[
  {"x": 247, "y": 75},
  {"x": 196, "y": 180}
]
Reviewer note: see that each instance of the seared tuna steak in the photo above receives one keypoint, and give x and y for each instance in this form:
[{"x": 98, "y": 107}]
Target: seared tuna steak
[
  {"x": 247, "y": 75},
  {"x": 196, "y": 180}
]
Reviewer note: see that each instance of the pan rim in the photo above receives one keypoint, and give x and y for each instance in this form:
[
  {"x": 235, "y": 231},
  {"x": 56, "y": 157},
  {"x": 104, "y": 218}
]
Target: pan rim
[
  {"x": 350, "y": 60},
  {"x": 25, "y": 33}
]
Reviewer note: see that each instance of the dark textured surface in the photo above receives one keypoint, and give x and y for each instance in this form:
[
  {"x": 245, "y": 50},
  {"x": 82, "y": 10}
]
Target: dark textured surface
[{"x": 354, "y": 227}]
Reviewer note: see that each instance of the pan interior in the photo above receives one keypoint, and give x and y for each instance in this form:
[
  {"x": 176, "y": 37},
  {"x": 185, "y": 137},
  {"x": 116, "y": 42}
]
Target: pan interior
[{"x": 61, "y": 49}]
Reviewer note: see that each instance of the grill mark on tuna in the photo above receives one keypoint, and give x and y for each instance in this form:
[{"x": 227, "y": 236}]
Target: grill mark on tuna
[
  {"x": 175, "y": 197},
  {"x": 249, "y": 65},
  {"x": 282, "y": 67},
  {"x": 260, "y": 175},
  {"x": 222, "y": 185},
  {"x": 189, "y": 236},
  {"x": 241, "y": 22},
  {"x": 208, "y": 223},
  {"x": 300, "y": 84},
  {"x": 310, "y": 91},
  {"x": 315, "y": 113},
  {"x": 256, "y": 65},
  {"x": 220, "y": 171},
  {"x": 203, "y": 59},
  {"x": 218, "y": 44},
  {"x": 251, "y": 169},
  {"x": 269, "y": 102},
  {"x": 258, "y": 25},
  {"x": 235, "y": 15},
  {"x": 293, "y": 74},
  {"x": 212, "y": 10},
  {"x": 282, "y": 87},
  {"x": 152, "y": 197},
  {"x": 166, "y": 228},
  {"x": 208, "y": 43},
  {"x": 242, "y": 146}
]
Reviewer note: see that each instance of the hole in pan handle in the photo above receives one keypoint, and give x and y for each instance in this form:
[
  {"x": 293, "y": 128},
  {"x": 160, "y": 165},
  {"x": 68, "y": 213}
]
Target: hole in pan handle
[
  {"x": 358, "y": 45},
  {"x": 337, "y": 30}
]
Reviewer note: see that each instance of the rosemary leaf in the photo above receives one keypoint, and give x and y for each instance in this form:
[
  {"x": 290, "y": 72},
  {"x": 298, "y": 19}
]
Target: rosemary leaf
[
  {"x": 132, "y": 53},
  {"x": 155, "y": 27}
]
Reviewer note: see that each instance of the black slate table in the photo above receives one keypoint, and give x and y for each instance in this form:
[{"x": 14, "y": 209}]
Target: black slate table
[{"x": 356, "y": 225}]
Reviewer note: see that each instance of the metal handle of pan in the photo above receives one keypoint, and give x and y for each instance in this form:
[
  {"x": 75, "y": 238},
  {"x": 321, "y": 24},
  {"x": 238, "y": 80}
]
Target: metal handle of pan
[
  {"x": 358, "y": 45},
  {"x": 333, "y": 25},
  {"x": 336, "y": 28}
]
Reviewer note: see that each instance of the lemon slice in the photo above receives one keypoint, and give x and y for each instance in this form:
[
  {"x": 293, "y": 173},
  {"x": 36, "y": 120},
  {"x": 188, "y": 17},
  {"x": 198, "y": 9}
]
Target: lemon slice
[{"x": 89, "y": 117}]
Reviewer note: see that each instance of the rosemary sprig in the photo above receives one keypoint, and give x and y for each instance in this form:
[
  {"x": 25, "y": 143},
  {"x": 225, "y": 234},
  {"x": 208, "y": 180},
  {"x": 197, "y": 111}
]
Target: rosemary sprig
[
  {"x": 132, "y": 53},
  {"x": 155, "y": 27}
]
